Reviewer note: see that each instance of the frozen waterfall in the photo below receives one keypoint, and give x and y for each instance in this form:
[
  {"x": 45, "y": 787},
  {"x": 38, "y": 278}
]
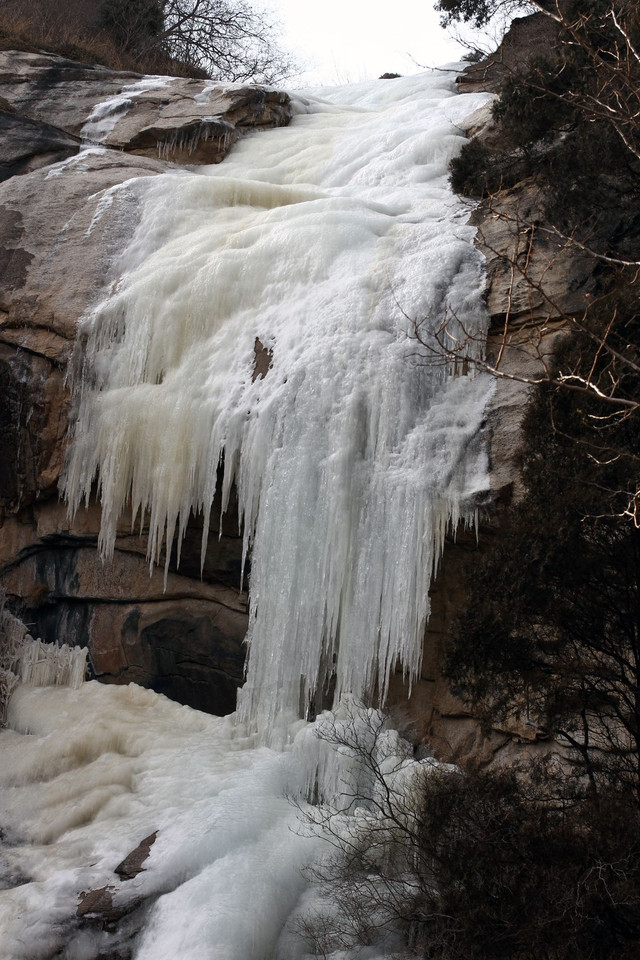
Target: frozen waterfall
[{"x": 321, "y": 243}]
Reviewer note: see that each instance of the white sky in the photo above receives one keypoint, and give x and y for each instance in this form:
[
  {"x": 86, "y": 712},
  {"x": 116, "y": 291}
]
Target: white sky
[{"x": 344, "y": 41}]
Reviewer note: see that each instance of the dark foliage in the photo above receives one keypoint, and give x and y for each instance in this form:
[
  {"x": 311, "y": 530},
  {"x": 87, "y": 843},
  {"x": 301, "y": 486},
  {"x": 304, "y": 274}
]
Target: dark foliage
[
  {"x": 551, "y": 633},
  {"x": 571, "y": 121},
  {"x": 473, "y": 170},
  {"x": 524, "y": 877},
  {"x": 477, "y": 12},
  {"x": 133, "y": 24},
  {"x": 506, "y": 865}
]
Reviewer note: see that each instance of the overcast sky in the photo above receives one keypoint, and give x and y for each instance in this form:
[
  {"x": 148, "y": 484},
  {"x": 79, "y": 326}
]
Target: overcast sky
[{"x": 344, "y": 41}]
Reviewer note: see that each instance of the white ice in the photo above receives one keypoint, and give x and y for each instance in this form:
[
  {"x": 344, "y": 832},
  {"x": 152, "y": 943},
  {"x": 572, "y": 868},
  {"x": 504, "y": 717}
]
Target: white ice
[
  {"x": 326, "y": 240},
  {"x": 89, "y": 773}
]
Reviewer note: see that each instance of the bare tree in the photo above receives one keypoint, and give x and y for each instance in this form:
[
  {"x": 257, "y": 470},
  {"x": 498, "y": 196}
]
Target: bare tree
[
  {"x": 230, "y": 40},
  {"x": 429, "y": 862}
]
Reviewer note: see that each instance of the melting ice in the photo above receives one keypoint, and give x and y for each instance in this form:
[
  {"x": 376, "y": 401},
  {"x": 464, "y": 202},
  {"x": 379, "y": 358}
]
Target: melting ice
[{"x": 325, "y": 241}]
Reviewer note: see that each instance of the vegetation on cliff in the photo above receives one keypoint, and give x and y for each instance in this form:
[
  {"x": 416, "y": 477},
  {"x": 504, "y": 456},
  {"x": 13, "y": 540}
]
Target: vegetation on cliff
[
  {"x": 568, "y": 619},
  {"x": 550, "y": 637},
  {"x": 571, "y": 121},
  {"x": 442, "y": 864},
  {"x": 193, "y": 38}
]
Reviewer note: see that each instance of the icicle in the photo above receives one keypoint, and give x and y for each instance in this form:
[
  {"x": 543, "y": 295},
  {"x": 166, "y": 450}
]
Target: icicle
[
  {"x": 13, "y": 635},
  {"x": 32, "y": 662},
  {"x": 47, "y": 665}
]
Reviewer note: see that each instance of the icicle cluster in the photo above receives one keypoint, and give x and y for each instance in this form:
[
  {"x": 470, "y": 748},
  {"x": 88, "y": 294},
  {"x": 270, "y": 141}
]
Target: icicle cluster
[
  {"x": 210, "y": 128},
  {"x": 12, "y": 638},
  {"x": 32, "y": 662},
  {"x": 325, "y": 241},
  {"x": 48, "y": 665}
]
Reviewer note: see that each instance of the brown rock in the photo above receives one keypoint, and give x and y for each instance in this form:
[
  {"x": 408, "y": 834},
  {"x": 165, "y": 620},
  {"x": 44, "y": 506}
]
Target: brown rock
[
  {"x": 92, "y": 903},
  {"x": 526, "y": 39},
  {"x": 132, "y": 864},
  {"x": 262, "y": 360},
  {"x": 105, "y": 908},
  {"x": 186, "y": 642}
]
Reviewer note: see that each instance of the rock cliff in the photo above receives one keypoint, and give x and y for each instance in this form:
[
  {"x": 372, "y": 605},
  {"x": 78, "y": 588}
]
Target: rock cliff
[
  {"x": 529, "y": 311},
  {"x": 73, "y": 131}
]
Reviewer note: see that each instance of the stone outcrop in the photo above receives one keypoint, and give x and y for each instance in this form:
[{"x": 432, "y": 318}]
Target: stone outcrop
[
  {"x": 60, "y": 239},
  {"x": 182, "y": 120},
  {"x": 133, "y": 863},
  {"x": 526, "y": 40}
]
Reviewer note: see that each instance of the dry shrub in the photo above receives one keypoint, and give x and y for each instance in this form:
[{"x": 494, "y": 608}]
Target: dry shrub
[
  {"x": 510, "y": 864},
  {"x": 72, "y": 30}
]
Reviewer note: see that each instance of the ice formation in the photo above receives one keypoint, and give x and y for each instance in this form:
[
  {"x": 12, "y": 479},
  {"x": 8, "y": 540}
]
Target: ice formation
[
  {"x": 33, "y": 663},
  {"x": 351, "y": 456},
  {"x": 323, "y": 241},
  {"x": 87, "y": 774},
  {"x": 224, "y": 879},
  {"x": 106, "y": 114}
]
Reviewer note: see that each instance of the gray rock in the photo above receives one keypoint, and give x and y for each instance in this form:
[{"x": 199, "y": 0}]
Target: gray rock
[
  {"x": 182, "y": 120},
  {"x": 28, "y": 145}
]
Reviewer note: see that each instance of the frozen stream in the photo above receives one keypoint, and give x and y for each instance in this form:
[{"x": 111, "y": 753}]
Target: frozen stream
[{"x": 319, "y": 244}]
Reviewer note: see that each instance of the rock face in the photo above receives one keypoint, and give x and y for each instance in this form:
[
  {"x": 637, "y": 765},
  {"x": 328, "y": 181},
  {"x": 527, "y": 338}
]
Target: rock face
[
  {"x": 185, "y": 121},
  {"x": 535, "y": 283},
  {"x": 28, "y": 145},
  {"x": 527, "y": 38},
  {"x": 60, "y": 239}
]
